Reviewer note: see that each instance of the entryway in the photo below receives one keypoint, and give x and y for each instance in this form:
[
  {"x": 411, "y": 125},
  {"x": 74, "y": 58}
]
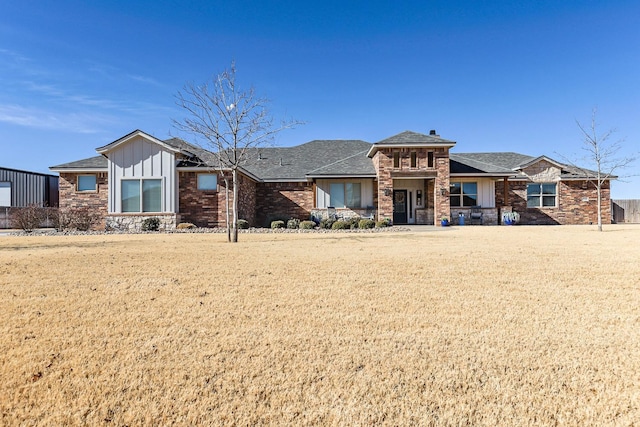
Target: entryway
[{"x": 399, "y": 206}]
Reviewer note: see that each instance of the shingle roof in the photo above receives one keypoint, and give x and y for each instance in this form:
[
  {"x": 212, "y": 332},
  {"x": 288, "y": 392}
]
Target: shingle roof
[
  {"x": 314, "y": 158},
  {"x": 97, "y": 162},
  {"x": 490, "y": 163},
  {"x": 409, "y": 137}
]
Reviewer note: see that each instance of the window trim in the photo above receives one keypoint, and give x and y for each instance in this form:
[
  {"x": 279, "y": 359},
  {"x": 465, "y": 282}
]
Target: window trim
[
  {"x": 95, "y": 187},
  {"x": 206, "y": 189},
  {"x": 141, "y": 195},
  {"x": 345, "y": 192},
  {"x": 462, "y": 194},
  {"x": 541, "y": 195}
]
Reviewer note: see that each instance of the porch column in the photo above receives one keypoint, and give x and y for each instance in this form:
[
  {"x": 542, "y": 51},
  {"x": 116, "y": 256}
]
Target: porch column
[{"x": 506, "y": 191}]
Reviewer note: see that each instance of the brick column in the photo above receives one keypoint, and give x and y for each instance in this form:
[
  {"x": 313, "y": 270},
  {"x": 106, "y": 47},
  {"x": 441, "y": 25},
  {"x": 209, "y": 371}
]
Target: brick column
[{"x": 441, "y": 201}]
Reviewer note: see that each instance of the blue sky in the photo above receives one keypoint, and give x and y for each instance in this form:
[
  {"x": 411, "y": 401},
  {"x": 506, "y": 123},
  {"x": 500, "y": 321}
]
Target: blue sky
[{"x": 491, "y": 75}]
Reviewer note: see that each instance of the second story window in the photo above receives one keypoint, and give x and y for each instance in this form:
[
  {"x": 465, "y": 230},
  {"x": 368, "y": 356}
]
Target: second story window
[
  {"x": 396, "y": 160},
  {"x": 414, "y": 159}
]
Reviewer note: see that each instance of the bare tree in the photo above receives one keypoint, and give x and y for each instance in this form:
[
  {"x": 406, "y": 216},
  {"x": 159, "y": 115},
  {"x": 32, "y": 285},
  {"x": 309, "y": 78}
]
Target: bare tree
[
  {"x": 228, "y": 122},
  {"x": 601, "y": 154}
]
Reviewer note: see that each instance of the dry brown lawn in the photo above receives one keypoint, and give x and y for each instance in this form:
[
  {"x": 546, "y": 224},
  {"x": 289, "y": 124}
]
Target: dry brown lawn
[{"x": 465, "y": 326}]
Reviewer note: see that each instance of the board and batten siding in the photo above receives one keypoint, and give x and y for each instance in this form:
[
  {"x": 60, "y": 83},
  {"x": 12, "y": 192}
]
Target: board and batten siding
[
  {"x": 323, "y": 188},
  {"x": 486, "y": 190},
  {"x": 140, "y": 159}
]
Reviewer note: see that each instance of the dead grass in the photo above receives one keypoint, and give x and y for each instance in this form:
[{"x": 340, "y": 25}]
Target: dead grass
[{"x": 468, "y": 326}]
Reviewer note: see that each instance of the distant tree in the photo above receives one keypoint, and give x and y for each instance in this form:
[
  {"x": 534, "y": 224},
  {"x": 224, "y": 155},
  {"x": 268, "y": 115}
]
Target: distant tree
[
  {"x": 601, "y": 156},
  {"x": 228, "y": 122}
]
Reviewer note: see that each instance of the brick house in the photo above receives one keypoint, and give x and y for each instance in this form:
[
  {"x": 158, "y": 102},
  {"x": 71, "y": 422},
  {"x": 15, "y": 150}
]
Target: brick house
[{"x": 411, "y": 178}]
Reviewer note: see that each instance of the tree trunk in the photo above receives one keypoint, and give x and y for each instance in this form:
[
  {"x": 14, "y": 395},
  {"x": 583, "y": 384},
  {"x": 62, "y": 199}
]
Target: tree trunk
[
  {"x": 599, "y": 205},
  {"x": 234, "y": 236},
  {"x": 226, "y": 199}
]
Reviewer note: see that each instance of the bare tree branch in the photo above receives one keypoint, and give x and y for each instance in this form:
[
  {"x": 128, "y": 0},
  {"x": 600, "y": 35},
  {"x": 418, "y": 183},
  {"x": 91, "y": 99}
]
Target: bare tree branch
[
  {"x": 602, "y": 157},
  {"x": 227, "y": 122}
]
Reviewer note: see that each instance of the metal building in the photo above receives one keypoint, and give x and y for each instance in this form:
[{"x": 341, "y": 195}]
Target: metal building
[{"x": 20, "y": 188}]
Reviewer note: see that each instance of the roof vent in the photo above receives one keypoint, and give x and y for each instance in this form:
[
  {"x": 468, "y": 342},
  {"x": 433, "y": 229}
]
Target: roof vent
[{"x": 432, "y": 132}]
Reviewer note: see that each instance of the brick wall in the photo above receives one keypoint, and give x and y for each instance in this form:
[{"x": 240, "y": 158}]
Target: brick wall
[
  {"x": 202, "y": 208},
  {"x": 283, "y": 200},
  {"x": 94, "y": 200},
  {"x": 577, "y": 203}
]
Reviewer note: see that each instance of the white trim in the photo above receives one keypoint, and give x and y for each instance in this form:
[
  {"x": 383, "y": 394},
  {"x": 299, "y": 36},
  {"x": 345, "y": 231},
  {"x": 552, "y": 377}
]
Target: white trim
[{"x": 135, "y": 134}]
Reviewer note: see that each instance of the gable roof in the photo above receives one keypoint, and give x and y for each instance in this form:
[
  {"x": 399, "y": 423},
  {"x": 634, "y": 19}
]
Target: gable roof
[
  {"x": 137, "y": 133},
  {"x": 486, "y": 163},
  {"x": 411, "y": 139},
  {"x": 96, "y": 163}
]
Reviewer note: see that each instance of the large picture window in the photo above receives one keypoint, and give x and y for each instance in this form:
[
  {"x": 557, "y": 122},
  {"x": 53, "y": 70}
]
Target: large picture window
[
  {"x": 86, "y": 183},
  {"x": 541, "y": 195},
  {"x": 345, "y": 194},
  {"x": 141, "y": 195},
  {"x": 463, "y": 194}
]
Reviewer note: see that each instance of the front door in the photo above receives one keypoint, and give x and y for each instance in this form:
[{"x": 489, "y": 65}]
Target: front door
[{"x": 399, "y": 206}]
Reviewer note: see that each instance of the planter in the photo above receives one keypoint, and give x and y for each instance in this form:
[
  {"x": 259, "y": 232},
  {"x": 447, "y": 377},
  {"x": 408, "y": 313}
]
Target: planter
[{"x": 444, "y": 222}]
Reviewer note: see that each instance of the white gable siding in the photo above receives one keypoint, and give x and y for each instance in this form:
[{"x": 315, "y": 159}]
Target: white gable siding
[
  {"x": 323, "y": 188},
  {"x": 140, "y": 158}
]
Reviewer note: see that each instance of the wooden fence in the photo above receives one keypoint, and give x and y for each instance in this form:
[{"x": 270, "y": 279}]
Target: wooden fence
[{"x": 625, "y": 211}]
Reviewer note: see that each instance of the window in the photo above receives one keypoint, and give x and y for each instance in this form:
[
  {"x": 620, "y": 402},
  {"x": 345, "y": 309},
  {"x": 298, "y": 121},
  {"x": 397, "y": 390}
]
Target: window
[
  {"x": 149, "y": 191},
  {"x": 430, "y": 159},
  {"x": 414, "y": 159},
  {"x": 5, "y": 194},
  {"x": 541, "y": 195},
  {"x": 345, "y": 194},
  {"x": 396, "y": 160},
  {"x": 207, "y": 182},
  {"x": 86, "y": 183},
  {"x": 463, "y": 194}
]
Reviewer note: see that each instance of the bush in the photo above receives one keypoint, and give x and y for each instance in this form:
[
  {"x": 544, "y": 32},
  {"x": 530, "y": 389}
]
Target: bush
[
  {"x": 341, "y": 225},
  {"x": 185, "y": 226},
  {"x": 277, "y": 224},
  {"x": 326, "y": 223},
  {"x": 363, "y": 224},
  {"x": 27, "y": 218},
  {"x": 82, "y": 219},
  {"x": 307, "y": 225},
  {"x": 293, "y": 224},
  {"x": 243, "y": 224},
  {"x": 386, "y": 222},
  {"x": 150, "y": 224}
]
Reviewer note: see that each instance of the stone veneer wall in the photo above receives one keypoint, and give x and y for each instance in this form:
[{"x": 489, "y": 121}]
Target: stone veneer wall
[
  {"x": 577, "y": 203},
  {"x": 94, "y": 200},
  {"x": 441, "y": 204},
  {"x": 283, "y": 200},
  {"x": 133, "y": 222}
]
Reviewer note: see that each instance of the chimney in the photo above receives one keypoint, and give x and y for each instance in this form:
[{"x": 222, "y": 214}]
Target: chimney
[{"x": 432, "y": 132}]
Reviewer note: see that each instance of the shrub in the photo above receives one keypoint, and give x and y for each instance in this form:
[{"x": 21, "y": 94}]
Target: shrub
[
  {"x": 326, "y": 223},
  {"x": 307, "y": 225},
  {"x": 277, "y": 224},
  {"x": 243, "y": 224},
  {"x": 151, "y": 224},
  {"x": 293, "y": 224},
  {"x": 341, "y": 225},
  {"x": 27, "y": 218},
  {"x": 363, "y": 224},
  {"x": 82, "y": 219},
  {"x": 386, "y": 222},
  {"x": 185, "y": 226}
]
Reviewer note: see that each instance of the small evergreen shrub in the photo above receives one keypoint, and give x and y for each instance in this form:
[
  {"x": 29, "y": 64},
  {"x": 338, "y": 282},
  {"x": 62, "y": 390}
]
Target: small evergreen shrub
[
  {"x": 326, "y": 223},
  {"x": 385, "y": 222},
  {"x": 277, "y": 224},
  {"x": 185, "y": 226},
  {"x": 243, "y": 224},
  {"x": 341, "y": 225},
  {"x": 151, "y": 224},
  {"x": 364, "y": 224},
  {"x": 307, "y": 225},
  {"x": 293, "y": 224}
]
